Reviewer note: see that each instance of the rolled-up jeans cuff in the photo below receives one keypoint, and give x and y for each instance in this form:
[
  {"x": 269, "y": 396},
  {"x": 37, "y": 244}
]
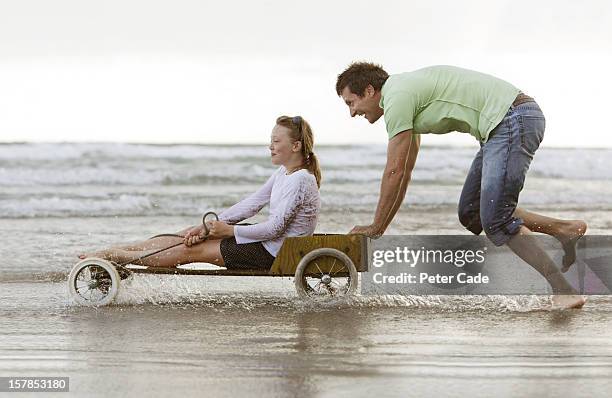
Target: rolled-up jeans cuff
[{"x": 503, "y": 234}]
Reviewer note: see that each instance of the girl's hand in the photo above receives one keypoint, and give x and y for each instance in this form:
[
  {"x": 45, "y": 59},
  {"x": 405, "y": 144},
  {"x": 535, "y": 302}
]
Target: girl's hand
[
  {"x": 194, "y": 236},
  {"x": 220, "y": 230}
]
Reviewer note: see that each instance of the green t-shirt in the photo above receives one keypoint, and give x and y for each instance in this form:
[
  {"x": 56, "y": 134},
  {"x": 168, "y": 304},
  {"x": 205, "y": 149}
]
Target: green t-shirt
[{"x": 441, "y": 99}]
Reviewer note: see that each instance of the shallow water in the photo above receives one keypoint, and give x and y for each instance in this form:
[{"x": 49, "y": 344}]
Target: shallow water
[
  {"x": 223, "y": 336},
  {"x": 269, "y": 343},
  {"x": 245, "y": 336}
]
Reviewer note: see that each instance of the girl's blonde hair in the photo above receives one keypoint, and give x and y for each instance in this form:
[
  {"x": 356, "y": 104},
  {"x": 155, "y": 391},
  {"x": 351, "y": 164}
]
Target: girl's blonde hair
[{"x": 301, "y": 131}]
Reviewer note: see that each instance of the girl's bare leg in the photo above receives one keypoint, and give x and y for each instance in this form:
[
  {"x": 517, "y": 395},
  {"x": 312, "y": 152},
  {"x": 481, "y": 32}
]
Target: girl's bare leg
[
  {"x": 150, "y": 245},
  {"x": 206, "y": 252},
  {"x": 565, "y": 231},
  {"x": 153, "y": 243}
]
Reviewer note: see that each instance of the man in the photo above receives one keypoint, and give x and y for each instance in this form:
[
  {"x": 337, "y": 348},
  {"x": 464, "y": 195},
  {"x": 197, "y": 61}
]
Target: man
[{"x": 509, "y": 126}]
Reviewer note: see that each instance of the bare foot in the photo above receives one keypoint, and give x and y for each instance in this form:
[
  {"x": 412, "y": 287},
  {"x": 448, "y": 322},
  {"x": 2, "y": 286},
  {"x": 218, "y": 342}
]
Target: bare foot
[
  {"x": 569, "y": 236},
  {"x": 564, "y": 302},
  {"x": 101, "y": 254}
]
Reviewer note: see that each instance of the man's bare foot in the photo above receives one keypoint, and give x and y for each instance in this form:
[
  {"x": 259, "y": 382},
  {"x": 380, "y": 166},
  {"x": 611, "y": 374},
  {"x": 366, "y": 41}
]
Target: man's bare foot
[
  {"x": 564, "y": 302},
  {"x": 569, "y": 235}
]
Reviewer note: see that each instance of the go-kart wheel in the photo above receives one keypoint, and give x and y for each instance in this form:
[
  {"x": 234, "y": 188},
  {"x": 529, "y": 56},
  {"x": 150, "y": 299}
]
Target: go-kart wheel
[
  {"x": 94, "y": 282},
  {"x": 313, "y": 281}
]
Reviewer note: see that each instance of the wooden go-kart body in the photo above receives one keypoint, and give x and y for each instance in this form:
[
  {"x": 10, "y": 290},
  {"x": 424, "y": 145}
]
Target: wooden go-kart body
[{"x": 325, "y": 266}]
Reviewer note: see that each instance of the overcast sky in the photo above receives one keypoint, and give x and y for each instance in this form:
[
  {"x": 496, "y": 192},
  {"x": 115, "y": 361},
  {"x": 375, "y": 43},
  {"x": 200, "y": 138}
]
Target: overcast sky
[{"x": 222, "y": 71}]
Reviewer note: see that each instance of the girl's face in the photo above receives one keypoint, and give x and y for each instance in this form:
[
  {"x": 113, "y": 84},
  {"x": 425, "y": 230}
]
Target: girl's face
[{"x": 282, "y": 148}]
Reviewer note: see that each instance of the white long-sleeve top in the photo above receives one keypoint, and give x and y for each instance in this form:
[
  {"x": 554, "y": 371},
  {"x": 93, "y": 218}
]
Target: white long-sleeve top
[{"x": 294, "y": 208}]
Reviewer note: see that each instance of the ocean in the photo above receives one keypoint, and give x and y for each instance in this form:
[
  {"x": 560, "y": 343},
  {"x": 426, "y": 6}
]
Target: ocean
[{"x": 224, "y": 336}]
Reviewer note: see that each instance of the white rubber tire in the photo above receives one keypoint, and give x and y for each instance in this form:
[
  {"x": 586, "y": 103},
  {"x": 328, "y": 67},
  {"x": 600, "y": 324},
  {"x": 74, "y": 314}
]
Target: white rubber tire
[
  {"x": 97, "y": 262},
  {"x": 302, "y": 289}
]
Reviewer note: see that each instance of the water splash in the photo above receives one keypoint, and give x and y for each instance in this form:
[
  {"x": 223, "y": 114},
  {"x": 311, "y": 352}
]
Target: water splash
[{"x": 249, "y": 293}]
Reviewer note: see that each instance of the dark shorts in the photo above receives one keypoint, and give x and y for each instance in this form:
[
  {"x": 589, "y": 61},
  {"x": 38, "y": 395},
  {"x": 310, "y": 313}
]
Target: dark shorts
[
  {"x": 491, "y": 191},
  {"x": 245, "y": 255}
]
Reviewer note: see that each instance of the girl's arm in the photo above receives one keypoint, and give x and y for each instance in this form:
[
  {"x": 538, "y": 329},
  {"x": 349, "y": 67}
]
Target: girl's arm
[
  {"x": 277, "y": 223},
  {"x": 250, "y": 205}
]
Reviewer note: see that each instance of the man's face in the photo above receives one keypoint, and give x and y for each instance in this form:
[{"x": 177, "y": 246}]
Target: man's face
[{"x": 366, "y": 106}]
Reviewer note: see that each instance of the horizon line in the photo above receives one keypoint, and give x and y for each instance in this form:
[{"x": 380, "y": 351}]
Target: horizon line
[{"x": 251, "y": 144}]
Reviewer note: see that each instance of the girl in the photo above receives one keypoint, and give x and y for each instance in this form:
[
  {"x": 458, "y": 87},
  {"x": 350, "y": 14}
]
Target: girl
[{"x": 292, "y": 193}]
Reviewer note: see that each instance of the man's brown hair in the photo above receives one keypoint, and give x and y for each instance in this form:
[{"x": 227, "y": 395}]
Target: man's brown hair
[{"x": 358, "y": 75}]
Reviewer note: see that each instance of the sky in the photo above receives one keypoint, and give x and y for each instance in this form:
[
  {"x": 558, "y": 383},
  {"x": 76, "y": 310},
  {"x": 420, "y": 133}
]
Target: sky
[{"x": 221, "y": 72}]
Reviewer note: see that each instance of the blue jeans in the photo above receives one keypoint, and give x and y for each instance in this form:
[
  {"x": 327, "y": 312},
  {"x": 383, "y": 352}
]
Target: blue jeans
[{"x": 496, "y": 177}]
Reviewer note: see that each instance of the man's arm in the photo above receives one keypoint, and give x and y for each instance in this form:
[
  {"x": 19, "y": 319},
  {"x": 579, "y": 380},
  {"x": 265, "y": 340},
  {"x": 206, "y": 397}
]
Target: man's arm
[
  {"x": 406, "y": 178},
  {"x": 401, "y": 157}
]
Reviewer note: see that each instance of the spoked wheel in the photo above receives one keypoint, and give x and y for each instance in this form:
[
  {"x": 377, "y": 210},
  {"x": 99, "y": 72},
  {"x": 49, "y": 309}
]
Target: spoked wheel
[
  {"x": 94, "y": 282},
  {"x": 325, "y": 274}
]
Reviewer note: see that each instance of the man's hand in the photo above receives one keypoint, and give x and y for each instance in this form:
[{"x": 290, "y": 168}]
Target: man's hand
[{"x": 371, "y": 231}]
